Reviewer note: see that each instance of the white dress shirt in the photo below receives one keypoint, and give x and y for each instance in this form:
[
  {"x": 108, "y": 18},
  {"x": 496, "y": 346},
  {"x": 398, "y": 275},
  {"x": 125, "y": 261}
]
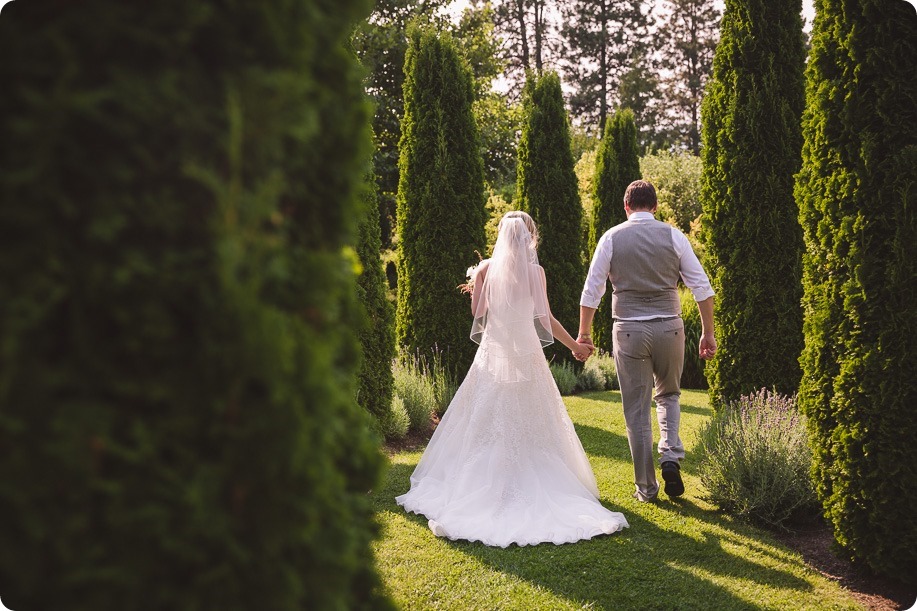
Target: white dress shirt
[{"x": 692, "y": 274}]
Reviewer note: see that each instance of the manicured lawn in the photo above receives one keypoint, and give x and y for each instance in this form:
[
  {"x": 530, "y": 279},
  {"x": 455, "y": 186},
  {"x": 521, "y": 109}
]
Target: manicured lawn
[{"x": 677, "y": 554}]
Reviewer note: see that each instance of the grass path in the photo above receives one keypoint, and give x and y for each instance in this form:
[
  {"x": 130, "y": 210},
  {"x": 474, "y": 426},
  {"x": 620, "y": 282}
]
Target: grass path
[{"x": 677, "y": 554}]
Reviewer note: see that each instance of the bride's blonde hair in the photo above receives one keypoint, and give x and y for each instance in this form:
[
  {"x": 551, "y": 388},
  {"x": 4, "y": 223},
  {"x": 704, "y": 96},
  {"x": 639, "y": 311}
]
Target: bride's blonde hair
[{"x": 529, "y": 223}]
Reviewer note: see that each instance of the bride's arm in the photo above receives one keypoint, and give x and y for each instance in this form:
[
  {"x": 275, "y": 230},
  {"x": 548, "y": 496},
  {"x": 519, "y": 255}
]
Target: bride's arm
[
  {"x": 557, "y": 329},
  {"x": 478, "y": 286}
]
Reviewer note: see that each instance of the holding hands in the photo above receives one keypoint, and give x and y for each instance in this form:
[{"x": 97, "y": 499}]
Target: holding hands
[{"x": 584, "y": 348}]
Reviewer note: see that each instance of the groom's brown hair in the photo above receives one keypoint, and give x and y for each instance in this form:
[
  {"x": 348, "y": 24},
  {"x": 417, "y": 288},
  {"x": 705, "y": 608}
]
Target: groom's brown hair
[{"x": 640, "y": 195}]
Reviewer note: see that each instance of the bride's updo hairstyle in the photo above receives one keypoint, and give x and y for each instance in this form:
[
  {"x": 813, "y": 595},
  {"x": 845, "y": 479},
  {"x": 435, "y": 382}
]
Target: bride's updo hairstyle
[{"x": 529, "y": 224}]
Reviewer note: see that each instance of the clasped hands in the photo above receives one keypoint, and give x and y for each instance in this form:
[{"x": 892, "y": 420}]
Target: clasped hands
[{"x": 585, "y": 348}]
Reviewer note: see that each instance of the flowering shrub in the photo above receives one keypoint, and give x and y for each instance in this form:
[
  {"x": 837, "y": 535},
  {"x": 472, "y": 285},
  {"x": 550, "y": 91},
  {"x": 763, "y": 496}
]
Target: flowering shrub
[
  {"x": 755, "y": 460},
  {"x": 565, "y": 377}
]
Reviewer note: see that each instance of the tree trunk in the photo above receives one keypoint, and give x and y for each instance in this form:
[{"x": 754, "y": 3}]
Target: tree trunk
[
  {"x": 523, "y": 34},
  {"x": 603, "y": 69}
]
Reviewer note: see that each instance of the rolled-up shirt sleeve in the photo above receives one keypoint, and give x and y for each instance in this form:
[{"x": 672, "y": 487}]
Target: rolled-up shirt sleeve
[
  {"x": 692, "y": 273},
  {"x": 597, "y": 277}
]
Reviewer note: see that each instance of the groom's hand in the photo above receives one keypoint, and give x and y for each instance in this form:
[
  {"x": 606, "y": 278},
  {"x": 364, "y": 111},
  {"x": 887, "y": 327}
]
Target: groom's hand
[
  {"x": 586, "y": 342},
  {"x": 707, "y": 347},
  {"x": 583, "y": 351}
]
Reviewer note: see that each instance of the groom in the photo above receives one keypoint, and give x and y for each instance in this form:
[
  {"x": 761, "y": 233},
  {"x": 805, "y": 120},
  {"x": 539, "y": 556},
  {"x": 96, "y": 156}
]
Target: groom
[{"x": 643, "y": 258}]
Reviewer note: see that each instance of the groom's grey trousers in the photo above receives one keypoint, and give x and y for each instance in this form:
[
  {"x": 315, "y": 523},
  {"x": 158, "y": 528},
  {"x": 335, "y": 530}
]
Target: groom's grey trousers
[{"x": 649, "y": 357}]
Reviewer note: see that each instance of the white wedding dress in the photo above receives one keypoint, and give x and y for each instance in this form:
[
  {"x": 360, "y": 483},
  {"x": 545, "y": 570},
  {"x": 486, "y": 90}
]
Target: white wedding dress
[{"x": 505, "y": 465}]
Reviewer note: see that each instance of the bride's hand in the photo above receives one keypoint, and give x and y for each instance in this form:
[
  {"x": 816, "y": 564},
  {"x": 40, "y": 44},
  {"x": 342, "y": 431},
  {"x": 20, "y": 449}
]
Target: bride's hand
[{"x": 582, "y": 351}]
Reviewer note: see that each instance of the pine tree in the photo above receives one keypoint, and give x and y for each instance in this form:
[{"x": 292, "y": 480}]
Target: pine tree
[
  {"x": 617, "y": 165},
  {"x": 441, "y": 213},
  {"x": 377, "y": 337},
  {"x": 603, "y": 41},
  {"x": 857, "y": 192},
  {"x": 751, "y": 152},
  {"x": 546, "y": 188},
  {"x": 177, "y": 369},
  {"x": 687, "y": 39}
]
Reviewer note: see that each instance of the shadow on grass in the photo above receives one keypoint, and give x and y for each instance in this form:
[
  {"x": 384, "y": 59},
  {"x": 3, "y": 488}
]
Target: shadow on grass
[
  {"x": 642, "y": 567},
  {"x": 599, "y": 442}
]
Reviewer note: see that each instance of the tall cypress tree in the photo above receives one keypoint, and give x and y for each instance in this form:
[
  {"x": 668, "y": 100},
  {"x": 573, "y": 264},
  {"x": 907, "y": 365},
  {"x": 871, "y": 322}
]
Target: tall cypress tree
[
  {"x": 177, "y": 368},
  {"x": 546, "y": 188},
  {"x": 857, "y": 192},
  {"x": 617, "y": 164},
  {"x": 751, "y": 153},
  {"x": 377, "y": 336},
  {"x": 441, "y": 212}
]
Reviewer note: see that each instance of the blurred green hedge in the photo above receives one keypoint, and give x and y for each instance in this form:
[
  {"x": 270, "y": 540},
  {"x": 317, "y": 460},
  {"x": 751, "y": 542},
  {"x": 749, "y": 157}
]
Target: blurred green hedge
[{"x": 178, "y": 427}]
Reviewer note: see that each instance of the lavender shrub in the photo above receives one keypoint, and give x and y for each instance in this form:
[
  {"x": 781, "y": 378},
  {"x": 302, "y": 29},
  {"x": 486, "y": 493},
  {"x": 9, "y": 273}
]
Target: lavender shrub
[{"x": 755, "y": 460}]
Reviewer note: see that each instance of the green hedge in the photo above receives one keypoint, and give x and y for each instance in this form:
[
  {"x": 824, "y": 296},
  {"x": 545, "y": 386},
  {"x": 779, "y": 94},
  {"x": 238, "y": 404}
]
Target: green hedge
[
  {"x": 752, "y": 141},
  {"x": 617, "y": 164},
  {"x": 178, "y": 427},
  {"x": 441, "y": 213},
  {"x": 857, "y": 192},
  {"x": 547, "y": 188},
  {"x": 377, "y": 337}
]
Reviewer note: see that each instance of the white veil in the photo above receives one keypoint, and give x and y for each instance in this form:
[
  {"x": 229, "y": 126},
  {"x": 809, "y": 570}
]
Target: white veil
[{"x": 513, "y": 304}]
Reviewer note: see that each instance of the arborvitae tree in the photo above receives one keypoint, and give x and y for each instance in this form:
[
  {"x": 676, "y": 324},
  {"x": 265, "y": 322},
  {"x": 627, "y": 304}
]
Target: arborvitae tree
[
  {"x": 177, "y": 365},
  {"x": 752, "y": 142},
  {"x": 377, "y": 337},
  {"x": 441, "y": 213},
  {"x": 857, "y": 193},
  {"x": 617, "y": 164},
  {"x": 546, "y": 188}
]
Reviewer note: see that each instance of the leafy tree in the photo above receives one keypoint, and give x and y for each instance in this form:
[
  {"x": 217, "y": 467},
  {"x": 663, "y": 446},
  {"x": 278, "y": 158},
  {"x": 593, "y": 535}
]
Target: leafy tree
[
  {"x": 857, "y": 194},
  {"x": 617, "y": 165},
  {"x": 546, "y": 188},
  {"x": 750, "y": 216},
  {"x": 381, "y": 44},
  {"x": 441, "y": 213},
  {"x": 377, "y": 337},
  {"x": 688, "y": 37},
  {"x": 677, "y": 178},
  {"x": 497, "y": 117},
  {"x": 603, "y": 40},
  {"x": 177, "y": 367}
]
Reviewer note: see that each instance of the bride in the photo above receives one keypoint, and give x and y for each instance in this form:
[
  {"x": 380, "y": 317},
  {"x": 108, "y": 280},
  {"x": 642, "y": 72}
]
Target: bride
[{"x": 505, "y": 465}]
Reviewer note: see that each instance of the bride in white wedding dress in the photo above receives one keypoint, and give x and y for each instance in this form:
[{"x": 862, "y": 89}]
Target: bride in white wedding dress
[{"x": 505, "y": 465}]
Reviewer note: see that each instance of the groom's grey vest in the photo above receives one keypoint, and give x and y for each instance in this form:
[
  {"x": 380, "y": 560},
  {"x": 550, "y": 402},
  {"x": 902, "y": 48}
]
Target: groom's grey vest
[{"x": 644, "y": 270}]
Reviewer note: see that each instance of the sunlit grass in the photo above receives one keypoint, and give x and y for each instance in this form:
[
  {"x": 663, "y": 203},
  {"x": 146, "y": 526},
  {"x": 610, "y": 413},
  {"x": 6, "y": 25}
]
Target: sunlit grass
[{"x": 677, "y": 554}]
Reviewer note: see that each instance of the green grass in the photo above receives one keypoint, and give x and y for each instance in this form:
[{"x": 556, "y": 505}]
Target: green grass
[{"x": 677, "y": 554}]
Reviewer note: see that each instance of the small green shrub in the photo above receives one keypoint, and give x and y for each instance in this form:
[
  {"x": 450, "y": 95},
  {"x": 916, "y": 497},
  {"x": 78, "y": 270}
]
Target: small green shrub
[
  {"x": 444, "y": 384},
  {"x": 565, "y": 377},
  {"x": 414, "y": 386},
  {"x": 590, "y": 378},
  {"x": 603, "y": 364},
  {"x": 395, "y": 423},
  {"x": 755, "y": 461}
]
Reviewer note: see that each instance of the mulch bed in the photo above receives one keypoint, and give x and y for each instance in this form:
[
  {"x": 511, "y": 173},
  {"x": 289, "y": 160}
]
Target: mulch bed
[{"x": 815, "y": 544}]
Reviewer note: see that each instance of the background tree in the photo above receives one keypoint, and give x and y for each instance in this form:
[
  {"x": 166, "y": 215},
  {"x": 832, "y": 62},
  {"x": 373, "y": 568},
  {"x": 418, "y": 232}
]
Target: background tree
[
  {"x": 603, "y": 40},
  {"x": 617, "y": 165},
  {"x": 527, "y": 32},
  {"x": 381, "y": 43},
  {"x": 753, "y": 236},
  {"x": 441, "y": 213},
  {"x": 687, "y": 39},
  {"x": 639, "y": 90},
  {"x": 177, "y": 371},
  {"x": 377, "y": 337},
  {"x": 497, "y": 117},
  {"x": 857, "y": 192},
  {"x": 546, "y": 188}
]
